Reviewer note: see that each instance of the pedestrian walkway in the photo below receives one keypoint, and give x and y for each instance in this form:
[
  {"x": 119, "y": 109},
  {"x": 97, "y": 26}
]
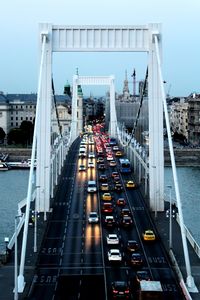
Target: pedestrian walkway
[
  {"x": 7, "y": 270},
  {"x": 162, "y": 225}
]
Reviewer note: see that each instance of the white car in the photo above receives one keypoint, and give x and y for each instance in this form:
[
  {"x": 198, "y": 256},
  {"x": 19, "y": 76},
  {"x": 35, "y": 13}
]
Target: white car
[
  {"x": 109, "y": 158},
  {"x": 112, "y": 239},
  {"x": 92, "y": 186},
  {"x": 93, "y": 217},
  {"x": 90, "y": 164},
  {"x": 82, "y": 168},
  {"x": 91, "y": 155},
  {"x": 114, "y": 255}
]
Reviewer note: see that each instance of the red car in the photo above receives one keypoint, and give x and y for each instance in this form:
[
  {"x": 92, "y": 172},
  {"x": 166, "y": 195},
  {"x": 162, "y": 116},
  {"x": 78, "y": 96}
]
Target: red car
[
  {"x": 121, "y": 202},
  {"x": 107, "y": 207}
]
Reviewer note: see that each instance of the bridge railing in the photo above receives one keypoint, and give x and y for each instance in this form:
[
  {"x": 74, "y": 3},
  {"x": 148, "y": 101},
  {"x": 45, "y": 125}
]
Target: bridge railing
[{"x": 190, "y": 238}]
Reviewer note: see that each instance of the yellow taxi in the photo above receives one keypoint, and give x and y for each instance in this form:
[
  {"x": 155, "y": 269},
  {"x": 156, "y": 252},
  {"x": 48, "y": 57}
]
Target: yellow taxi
[
  {"x": 119, "y": 153},
  {"x": 107, "y": 197},
  {"x": 149, "y": 235},
  {"x": 104, "y": 187},
  {"x": 130, "y": 184}
]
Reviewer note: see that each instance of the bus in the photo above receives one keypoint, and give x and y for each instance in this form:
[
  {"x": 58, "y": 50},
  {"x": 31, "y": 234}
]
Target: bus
[{"x": 124, "y": 165}]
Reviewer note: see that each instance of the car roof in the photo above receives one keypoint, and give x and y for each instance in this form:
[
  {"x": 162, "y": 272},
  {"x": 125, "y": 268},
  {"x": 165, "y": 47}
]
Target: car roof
[
  {"x": 112, "y": 235},
  {"x": 114, "y": 251}
]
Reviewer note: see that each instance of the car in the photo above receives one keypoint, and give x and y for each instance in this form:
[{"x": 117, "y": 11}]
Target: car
[
  {"x": 130, "y": 184},
  {"x": 114, "y": 255},
  {"x": 112, "y": 163},
  {"x": 119, "y": 153},
  {"x": 121, "y": 202},
  {"x": 107, "y": 197},
  {"x": 114, "y": 174},
  {"x": 91, "y": 155},
  {"x": 112, "y": 239},
  {"x": 136, "y": 259},
  {"x": 100, "y": 160},
  {"x": 101, "y": 167},
  {"x": 107, "y": 207},
  {"x": 82, "y": 168},
  {"x": 115, "y": 148},
  {"x": 126, "y": 221},
  {"x": 116, "y": 179},
  {"x": 118, "y": 187},
  {"x": 125, "y": 212},
  {"x": 104, "y": 187},
  {"x": 103, "y": 178},
  {"x": 109, "y": 221},
  {"x": 120, "y": 289},
  {"x": 142, "y": 275},
  {"x": 108, "y": 149},
  {"x": 91, "y": 186},
  {"x": 93, "y": 217},
  {"x": 90, "y": 164},
  {"x": 149, "y": 235},
  {"x": 132, "y": 246},
  {"x": 109, "y": 158}
]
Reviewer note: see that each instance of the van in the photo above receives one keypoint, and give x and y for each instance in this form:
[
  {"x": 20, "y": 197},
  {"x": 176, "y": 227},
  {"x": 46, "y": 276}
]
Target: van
[{"x": 92, "y": 186}]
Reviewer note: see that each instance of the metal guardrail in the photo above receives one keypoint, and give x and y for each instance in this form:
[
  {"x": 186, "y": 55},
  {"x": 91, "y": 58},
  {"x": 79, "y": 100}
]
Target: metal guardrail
[{"x": 190, "y": 238}]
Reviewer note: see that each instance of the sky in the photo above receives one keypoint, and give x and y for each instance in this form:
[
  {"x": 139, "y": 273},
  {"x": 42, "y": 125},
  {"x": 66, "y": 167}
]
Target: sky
[{"x": 19, "y": 49}]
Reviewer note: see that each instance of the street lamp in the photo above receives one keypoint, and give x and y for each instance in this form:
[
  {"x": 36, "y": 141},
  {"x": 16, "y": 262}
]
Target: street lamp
[
  {"x": 16, "y": 258},
  {"x": 170, "y": 214},
  {"x": 6, "y": 240}
]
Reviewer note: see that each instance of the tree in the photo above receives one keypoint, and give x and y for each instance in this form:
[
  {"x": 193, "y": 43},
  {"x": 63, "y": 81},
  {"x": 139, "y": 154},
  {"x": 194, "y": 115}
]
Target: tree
[
  {"x": 27, "y": 129},
  {"x": 15, "y": 136},
  {"x": 2, "y": 134}
]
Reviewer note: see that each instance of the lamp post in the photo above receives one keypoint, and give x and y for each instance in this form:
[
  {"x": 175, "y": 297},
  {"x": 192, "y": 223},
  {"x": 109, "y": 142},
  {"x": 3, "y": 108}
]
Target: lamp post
[
  {"x": 6, "y": 240},
  {"x": 16, "y": 258},
  {"x": 170, "y": 214}
]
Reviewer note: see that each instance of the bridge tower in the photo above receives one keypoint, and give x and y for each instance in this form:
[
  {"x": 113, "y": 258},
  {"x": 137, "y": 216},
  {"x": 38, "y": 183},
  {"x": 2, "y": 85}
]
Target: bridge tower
[{"x": 53, "y": 38}]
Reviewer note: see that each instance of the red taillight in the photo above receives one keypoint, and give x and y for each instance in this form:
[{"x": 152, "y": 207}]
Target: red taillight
[
  {"x": 126, "y": 291},
  {"x": 115, "y": 292}
]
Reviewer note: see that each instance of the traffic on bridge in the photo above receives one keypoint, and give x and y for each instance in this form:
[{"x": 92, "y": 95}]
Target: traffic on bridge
[{"x": 101, "y": 242}]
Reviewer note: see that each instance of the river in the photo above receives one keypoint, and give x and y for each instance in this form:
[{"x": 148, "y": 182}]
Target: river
[{"x": 14, "y": 184}]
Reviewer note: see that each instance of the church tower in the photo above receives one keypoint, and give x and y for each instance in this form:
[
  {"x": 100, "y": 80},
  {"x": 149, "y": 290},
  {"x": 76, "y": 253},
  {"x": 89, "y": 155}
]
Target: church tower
[
  {"x": 79, "y": 108},
  {"x": 126, "y": 93}
]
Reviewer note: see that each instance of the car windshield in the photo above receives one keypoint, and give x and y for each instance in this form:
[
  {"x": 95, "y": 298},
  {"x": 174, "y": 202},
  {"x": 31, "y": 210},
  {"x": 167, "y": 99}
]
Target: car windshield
[
  {"x": 93, "y": 215},
  {"x": 120, "y": 285}
]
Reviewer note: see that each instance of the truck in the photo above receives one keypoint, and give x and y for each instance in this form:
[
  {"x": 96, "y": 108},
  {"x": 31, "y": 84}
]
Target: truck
[{"x": 150, "y": 290}]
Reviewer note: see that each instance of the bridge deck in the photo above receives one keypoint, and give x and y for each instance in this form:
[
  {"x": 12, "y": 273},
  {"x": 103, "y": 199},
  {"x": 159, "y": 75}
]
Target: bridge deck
[{"x": 7, "y": 271}]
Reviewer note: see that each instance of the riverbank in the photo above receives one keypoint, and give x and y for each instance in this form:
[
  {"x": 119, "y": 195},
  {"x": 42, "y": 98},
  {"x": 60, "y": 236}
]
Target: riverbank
[
  {"x": 184, "y": 157},
  {"x": 16, "y": 154}
]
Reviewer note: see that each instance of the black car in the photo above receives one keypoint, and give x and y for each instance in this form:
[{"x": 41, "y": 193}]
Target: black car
[
  {"x": 132, "y": 246},
  {"x": 101, "y": 167},
  {"x": 109, "y": 221},
  {"x": 125, "y": 212},
  {"x": 120, "y": 289},
  {"x": 103, "y": 178},
  {"x": 126, "y": 221},
  {"x": 136, "y": 259},
  {"x": 118, "y": 187},
  {"x": 142, "y": 275}
]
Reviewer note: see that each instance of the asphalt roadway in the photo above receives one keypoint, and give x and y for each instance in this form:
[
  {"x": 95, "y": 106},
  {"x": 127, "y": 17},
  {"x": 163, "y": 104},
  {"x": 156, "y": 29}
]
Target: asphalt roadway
[{"x": 81, "y": 252}]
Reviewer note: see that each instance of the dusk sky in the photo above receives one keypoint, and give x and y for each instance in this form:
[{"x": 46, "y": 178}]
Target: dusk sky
[{"x": 19, "y": 42}]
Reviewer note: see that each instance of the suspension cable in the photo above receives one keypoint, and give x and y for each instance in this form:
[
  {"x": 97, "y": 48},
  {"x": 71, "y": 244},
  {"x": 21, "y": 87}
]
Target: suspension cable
[
  {"x": 57, "y": 117},
  {"x": 138, "y": 113}
]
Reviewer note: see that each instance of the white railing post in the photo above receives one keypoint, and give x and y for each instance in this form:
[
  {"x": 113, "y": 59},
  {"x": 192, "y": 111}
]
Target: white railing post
[
  {"x": 190, "y": 280},
  {"x": 21, "y": 282}
]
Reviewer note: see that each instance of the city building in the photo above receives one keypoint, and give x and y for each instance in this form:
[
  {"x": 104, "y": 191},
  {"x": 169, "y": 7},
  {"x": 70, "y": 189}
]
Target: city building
[
  {"x": 194, "y": 119},
  {"x": 16, "y": 108},
  {"x": 179, "y": 118}
]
